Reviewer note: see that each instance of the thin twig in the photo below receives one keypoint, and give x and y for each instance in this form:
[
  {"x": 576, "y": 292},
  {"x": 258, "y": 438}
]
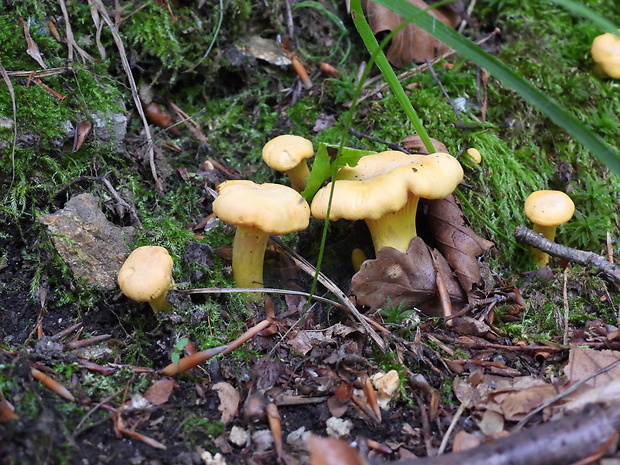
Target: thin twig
[
  {"x": 71, "y": 43},
  {"x": 446, "y": 437},
  {"x": 369, "y": 137},
  {"x": 429, "y": 65},
  {"x": 564, "y": 393},
  {"x": 37, "y": 73},
  {"x": 135, "y": 219},
  {"x": 9, "y": 85},
  {"x": 529, "y": 237},
  {"x": 412, "y": 72},
  {"x": 325, "y": 281},
  {"x": 566, "y": 306},
  {"x": 553, "y": 443},
  {"x": 134, "y": 92},
  {"x": 227, "y": 290},
  {"x": 78, "y": 428}
]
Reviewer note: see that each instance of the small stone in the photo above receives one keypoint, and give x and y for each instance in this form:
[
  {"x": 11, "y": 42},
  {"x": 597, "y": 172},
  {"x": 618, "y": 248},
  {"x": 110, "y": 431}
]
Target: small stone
[
  {"x": 92, "y": 247},
  {"x": 263, "y": 440},
  {"x": 238, "y": 436},
  {"x": 338, "y": 428},
  {"x": 210, "y": 459},
  {"x": 387, "y": 386},
  {"x": 298, "y": 439}
]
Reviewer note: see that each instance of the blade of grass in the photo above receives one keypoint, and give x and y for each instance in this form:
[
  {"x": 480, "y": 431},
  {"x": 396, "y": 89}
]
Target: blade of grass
[
  {"x": 507, "y": 76},
  {"x": 388, "y": 73},
  {"x": 584, "y": 11}
]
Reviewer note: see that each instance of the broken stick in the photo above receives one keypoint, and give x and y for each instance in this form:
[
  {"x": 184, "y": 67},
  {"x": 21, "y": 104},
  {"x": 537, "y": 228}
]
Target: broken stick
[
  {"x": 554, "y": 443},
  {"x": 529, "y": 237}
]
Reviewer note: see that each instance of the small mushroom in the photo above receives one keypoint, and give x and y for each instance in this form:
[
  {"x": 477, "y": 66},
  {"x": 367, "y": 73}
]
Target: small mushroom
[
  {"x": 606, "y": 54},
  {"x": 258, "y": 210},
  {"x": 474, "y": 154},
  {"x": 146, "y": 276},
  {"x": 384, "y": 190},
  {"x": 288, "y": 153},
  {"x": 547, "y": 210}
]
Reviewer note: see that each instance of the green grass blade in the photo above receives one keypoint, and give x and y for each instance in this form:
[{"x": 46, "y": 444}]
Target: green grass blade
[
  {"x": 388, "y": 73},
  {"x": 548, "y": 106},
  {"x": 331, "y": 16},
  {"x": 324, "y": 166},
  {"x": 584, "y": 11}
]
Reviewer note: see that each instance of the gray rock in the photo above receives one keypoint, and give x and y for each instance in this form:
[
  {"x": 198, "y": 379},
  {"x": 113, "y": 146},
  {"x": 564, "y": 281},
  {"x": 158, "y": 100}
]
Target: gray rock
[{"x": 92, "y": 247}]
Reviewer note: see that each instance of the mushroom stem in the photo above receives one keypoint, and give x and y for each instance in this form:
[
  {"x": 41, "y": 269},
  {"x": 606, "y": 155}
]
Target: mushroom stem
[
  {"x": 248, "y": 256},
  {"x": 542, "y": 258},
  {"x": 395, "y": 229},
  {"x": 299, "y": 176},
  {"x": 160, "y": 304}
]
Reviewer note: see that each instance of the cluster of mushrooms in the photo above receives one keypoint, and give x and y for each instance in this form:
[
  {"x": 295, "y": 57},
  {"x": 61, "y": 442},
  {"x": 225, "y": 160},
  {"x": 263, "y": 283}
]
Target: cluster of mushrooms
[{"x": 383, "y": 189}]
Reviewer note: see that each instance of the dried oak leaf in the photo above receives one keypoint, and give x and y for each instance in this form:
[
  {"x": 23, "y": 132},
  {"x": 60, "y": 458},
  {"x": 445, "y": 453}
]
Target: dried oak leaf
[
  {"x": 413, "y": 143},
  {"x": 410, "y": 43},
  {"x": 229, "y": 400},
  {"x": 458, "y": 243},
  {"x": 409, "y": 277},
  {"x": 160, "y": 391}
]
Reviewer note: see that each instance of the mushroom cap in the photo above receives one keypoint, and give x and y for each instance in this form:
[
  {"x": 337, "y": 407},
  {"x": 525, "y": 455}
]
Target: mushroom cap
[
  {"x": 283, "y": 153},
  {"x": 606, "y": 53},
  {"x": 429, "y": 176},
  {"x": 146, "y": 273},
  {"x": 549, "y": 208},
  {"x": 272, "y": 208},
  {"x": 376, "y": 164}
]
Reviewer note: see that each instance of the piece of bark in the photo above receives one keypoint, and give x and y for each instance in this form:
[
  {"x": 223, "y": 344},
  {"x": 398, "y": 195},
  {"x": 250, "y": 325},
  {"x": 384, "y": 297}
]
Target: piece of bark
[
  {"x": 529, "y": 237},
  {"x": 560, "y": 442}
]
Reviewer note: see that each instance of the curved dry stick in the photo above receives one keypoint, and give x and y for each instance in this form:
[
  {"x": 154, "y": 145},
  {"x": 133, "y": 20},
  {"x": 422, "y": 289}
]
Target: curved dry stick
[
  {"x": 529, "y": 237},
  {"x": 553, "y": 443},
  {"x": 134, "y": 92}
]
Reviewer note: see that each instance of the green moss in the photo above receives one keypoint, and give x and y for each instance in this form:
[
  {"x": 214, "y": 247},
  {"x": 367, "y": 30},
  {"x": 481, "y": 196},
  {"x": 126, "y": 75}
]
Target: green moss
[
  {"x": 544, "y": 316},
  {"x": 197, "y": 428}
]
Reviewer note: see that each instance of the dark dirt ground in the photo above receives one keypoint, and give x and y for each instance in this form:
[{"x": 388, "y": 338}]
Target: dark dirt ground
[{"x": 306, "y": 387}]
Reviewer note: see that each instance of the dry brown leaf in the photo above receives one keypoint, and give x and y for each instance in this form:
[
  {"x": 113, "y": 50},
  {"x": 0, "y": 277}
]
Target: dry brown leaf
[
  {"x": 405, "y": 277},
  {"x": 603, "y": 395},
  {"x": 492, "y": 423},
  {"x": 331, "y": 451},
  {"x": 511, "y": 397},
  {"x": 410, "y": 43},
  {"x": 229, "y": 400},
  {"x": 583, "y": 362},
  {"x": 81, "y": 132},
  {"x": 160, "y": 391},
  {"x": 517, "y": 404},
  {"x": 458, "y": 243},
  {"x": 33, "y": 48},
  {"x": 413, "y": 143},
  {"x": 302, "y": 342},
  {"x": 464, "y": 441}
]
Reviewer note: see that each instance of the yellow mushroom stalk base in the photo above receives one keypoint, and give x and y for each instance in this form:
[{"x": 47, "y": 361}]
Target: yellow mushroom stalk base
[
  {"x": 248, "y": 256},
  {"x": 299, "y": 176},
  {"x": 160, "y": 304},
  {"x": 395, "y": 229},
  {"x": 542, "y": 258}
]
